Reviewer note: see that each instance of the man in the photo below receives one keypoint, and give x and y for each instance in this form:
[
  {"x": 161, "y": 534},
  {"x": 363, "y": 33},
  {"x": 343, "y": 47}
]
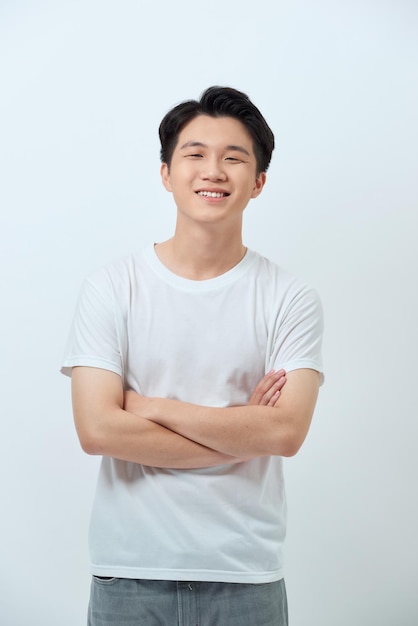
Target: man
[{"x": 195, "y": 368}]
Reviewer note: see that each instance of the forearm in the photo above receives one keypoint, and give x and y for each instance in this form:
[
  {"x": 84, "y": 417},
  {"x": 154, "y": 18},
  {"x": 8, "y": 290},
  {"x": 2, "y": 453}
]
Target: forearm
[
  {"x": 105, "y": 426},
  {"x": 125, "y": 436},
  {"x": 244, "y": 431}
]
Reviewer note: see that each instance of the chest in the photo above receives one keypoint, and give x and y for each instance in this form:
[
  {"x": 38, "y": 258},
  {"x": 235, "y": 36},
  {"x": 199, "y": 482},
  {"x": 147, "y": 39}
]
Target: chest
[{"x": 204, "y": 347}]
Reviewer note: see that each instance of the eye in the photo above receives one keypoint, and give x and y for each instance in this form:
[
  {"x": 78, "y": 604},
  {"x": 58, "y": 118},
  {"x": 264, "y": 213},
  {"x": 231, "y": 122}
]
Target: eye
[
  {"x": 194, "y": 156},
  {"x": 233, "y": 159}
]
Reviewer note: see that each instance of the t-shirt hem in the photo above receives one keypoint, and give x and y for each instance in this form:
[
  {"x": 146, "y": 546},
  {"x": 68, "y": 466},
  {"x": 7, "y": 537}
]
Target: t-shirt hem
[
  {"x": 89, "y": 362},
  {"x": 305, "y": 364},
  {"x": 187, "y": 575}
]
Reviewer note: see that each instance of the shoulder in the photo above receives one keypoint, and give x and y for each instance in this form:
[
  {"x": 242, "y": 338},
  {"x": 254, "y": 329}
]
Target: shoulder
[
  {"x": 281, "y": 283},
  {"x": 116, "y": 275}
]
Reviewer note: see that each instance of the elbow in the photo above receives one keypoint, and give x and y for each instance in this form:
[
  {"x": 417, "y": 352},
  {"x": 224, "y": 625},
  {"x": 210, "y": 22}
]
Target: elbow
[
  {"x": 289, "y": 444},
  {"x": 89, "y": 441},
  {"x": 290, "y": 434},
  {"x": 291, "y": 449},
  {"x": 95, "y": 432},
  {"x": 89, "y": 446}
]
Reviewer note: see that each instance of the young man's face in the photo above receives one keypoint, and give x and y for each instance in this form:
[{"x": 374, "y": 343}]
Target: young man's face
[{"x": 213, "y": 170}]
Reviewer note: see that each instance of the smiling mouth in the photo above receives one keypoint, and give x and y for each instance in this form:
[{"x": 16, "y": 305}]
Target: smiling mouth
[{"x": 212, "y": 194}]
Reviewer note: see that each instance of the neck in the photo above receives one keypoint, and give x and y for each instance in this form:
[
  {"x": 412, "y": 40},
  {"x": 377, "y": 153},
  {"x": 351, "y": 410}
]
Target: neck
[{"x": 203, "y": 253}]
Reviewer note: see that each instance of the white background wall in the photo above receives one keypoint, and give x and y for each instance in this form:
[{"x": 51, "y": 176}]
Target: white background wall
[{"x": 84, "y": 85}]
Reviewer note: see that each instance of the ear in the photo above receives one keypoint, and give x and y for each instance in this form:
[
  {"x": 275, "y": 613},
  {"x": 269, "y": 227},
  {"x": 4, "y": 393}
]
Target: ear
[
  {"x": 260, "y": 181},
  {"x": 165, "y": 176}
]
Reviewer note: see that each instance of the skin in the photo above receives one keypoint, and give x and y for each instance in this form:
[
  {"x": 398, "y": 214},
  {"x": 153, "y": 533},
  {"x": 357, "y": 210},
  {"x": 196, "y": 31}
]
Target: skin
[
  {"x": 111, "y": 423},
  {"x": 208, "y": 235},
  {"x": 212, "y": 155}
]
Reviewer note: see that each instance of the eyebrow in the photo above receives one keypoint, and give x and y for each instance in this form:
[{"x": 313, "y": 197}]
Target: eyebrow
[{"x": 199, "y": 144}]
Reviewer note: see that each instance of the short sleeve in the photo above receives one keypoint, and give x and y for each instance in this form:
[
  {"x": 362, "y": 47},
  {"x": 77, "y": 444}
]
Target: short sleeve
[
  {"x": 93, "y": 338},
  {"x": 298, "y": 334}
]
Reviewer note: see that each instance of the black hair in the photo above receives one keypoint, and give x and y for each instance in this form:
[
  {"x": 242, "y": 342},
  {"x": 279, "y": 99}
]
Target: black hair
[{"x": 219, "y": 102}]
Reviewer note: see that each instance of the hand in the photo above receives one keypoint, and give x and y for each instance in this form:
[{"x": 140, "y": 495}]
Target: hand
[{"x": 268, "y": 390}]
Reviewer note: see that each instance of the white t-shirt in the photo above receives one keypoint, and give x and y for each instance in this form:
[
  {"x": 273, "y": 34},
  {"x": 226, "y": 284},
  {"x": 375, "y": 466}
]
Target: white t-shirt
[{"x": 207, "y": 342}]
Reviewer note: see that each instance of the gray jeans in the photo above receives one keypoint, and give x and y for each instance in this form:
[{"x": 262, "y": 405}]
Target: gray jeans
[{"x": 129, "y": 602}]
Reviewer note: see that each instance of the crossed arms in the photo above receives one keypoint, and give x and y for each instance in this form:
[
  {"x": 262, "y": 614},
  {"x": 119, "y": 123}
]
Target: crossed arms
[{"x": 168, "y": 433}]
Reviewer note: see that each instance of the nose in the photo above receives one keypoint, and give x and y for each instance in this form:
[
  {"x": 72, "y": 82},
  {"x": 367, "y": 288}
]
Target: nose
[{"x": 213, "y": 170}]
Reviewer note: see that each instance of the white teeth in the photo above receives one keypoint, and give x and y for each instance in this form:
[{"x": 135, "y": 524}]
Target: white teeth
[{"x": 211, "y": 194}]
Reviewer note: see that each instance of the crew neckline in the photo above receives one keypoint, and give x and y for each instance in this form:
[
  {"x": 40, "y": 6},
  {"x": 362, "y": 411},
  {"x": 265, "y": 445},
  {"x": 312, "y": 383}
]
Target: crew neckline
[{"x": 189, "y": 284}]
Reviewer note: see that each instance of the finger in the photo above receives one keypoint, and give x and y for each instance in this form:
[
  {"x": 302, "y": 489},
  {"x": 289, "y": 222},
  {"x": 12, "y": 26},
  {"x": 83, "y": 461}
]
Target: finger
[
  {"x": 281, "y": 382},
  {"x": 269, "y": 380},
  {"x": 263, "y": 391},
  {"x": 276, "y": 387},
  {"x": 275, "y": 398},
  {"x": 261, "y": 388},
  {"x": 271, "y": 391},
  {"x": 265, "y": 385}
]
